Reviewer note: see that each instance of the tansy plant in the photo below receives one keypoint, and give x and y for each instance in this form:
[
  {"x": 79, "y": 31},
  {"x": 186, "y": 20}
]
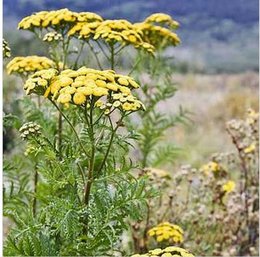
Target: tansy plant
[{"x": 70, "y": 189}]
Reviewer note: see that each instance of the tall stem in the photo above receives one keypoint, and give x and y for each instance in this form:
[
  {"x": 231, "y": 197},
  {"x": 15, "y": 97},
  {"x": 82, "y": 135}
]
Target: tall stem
[
  {"x": 110, "y": 141},
  {"x": 35, "y": 182},
  {"x": 112, "y": 58},
  {"x": 60, "y": 135},
  {"x": 95, "y": 55},
  {"x": 92, "y": 156}
]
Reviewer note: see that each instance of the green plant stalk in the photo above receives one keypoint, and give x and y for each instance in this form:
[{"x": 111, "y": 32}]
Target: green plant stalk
[
  {"x": 112, "y": 56},
  {"x": 95, "y": 55},
  {"x": 72, "y": 127},
  {"x": 92, "y": 156},
  {"x": 34, "y": 204},
  {"x": 79, "y": 54},
  {"x": 110, "y": 141},
  {"x": 60, "y": 135}
]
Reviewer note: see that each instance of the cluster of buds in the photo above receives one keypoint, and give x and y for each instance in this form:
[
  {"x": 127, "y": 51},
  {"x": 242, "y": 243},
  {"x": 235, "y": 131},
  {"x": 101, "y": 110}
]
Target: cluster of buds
[
  {"x": 30, "y": 129},
  {"x": 52, "y": 37}
]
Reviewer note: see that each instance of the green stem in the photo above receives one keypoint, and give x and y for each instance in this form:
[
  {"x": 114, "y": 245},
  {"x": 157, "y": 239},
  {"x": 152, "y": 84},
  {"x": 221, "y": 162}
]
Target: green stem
[
  {"x": 80, "y": 51},
  {"x": 135, "y": 65},
  {"x": 112, "y": 58},
  {"x": 35, "y": 182},
  {"x": 96, "y": 55},
  {"x": 110, "y": 141},
  {"x": 92, "y": 157},
  {"x": 102, "y": 49},
  {"x": 72, "y": 127},
  {"x": 60, "y": 135}
]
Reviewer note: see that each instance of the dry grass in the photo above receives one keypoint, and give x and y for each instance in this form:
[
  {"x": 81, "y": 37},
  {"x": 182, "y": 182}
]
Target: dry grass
[{"x": 213, "y": 100}]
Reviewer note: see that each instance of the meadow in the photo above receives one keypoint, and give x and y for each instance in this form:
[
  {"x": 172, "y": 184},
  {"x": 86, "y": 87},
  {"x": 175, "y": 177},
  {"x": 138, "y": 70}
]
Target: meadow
[{"x": 110, "y": 151}]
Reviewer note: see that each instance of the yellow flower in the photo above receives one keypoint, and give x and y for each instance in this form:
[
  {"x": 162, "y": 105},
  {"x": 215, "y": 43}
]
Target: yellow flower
[
  {"x": 78, "y": 86},
  {"x": 167, "y": 252},
  {"x": 52, "y": 19},
  {"x": 79, "y": 98},
  {"x": 229, "y": 186},
  {"x": 85, "y": 90},
  {"x": 123, "y": 81},
  {"x": 110, "y": 31},
  {"x": 210, "y": 167},
  {"x": 157, "y": 30},
  {"x": 64, "y": 98},
  {"x": 250, "y": 148},
  {"x": 162, "y": 18},
  {"x": 167, "y": 231},
  {"x": 29, "y": 64},
  {"x": 98, "y": 91}
]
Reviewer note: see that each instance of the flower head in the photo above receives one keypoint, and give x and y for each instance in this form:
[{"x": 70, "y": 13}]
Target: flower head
[
  {"x": 166, "y": 252},
  {"x": 251, "y": 148},
  {"x": 158, "y": 36},
  {"x": 52, "y": 37},
  {"x": 212, "y": 166},
  {"x": 157, "y": 30},
  {"x": 30, "y": 129},
  {"x": 28, "y": 64},
  {"x": 112, "y": 32},
  {"x": 80, "y": 86},
  {"x": 49, "y": 19},
  {"x": 167, "y": 232},
  {"x": 229, "y": 186},
  {"x": 163, "y": 19}
]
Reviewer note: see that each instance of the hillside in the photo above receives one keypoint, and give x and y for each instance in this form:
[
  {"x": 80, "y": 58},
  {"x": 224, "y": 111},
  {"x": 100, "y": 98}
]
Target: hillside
[{"x": 217, "y": 35}]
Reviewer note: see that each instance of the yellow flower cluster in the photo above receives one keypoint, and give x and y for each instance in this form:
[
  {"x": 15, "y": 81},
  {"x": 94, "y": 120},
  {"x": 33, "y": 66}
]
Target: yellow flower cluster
[
  {"x": 28, "y": 64},
  {"x": 55, "y": 19},
  {"x": 78, "y": 87},
  {"x": 112, "y": 31},
  {"x": 171, "y": 251},
  {"x": 157, "y": 35},
  {"x": 229, "y": 186},
  {"x": 162, "y": 18},
  {"x": 86, "y": 25},
  {"x": 6, "y": 50},
  {"x": 167, "y": 232},
  {"x": 210, "y": 167},
  {"x": 155, "y": 31},
  {"x": 52, "y": 36}
]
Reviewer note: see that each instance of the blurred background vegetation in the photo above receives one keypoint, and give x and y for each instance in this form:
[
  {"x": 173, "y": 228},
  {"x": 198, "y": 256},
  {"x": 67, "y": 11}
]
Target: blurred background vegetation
[{"x": 217, "y": 36}]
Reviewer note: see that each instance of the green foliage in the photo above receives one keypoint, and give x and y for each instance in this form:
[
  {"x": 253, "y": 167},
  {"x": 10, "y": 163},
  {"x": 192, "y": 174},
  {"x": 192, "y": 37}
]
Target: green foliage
[{"x": 154, "y": 124}]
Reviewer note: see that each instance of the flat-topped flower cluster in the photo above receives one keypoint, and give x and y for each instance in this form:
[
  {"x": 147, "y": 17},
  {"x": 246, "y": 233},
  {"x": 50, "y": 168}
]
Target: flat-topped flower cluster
[
  {"x": 156, "y": 30},
  {"x": 166, "y": 252},
  {"x": 167, "y": 232},
  {"x": 29, "y": 64},
  {"x": 80, "y": 86}
]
